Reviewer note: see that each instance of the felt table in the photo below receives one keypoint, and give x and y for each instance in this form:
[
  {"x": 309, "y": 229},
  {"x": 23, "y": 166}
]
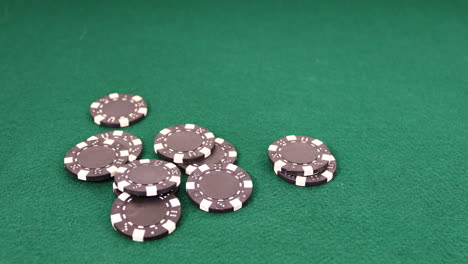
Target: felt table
[{"x": 382, "y": 83}]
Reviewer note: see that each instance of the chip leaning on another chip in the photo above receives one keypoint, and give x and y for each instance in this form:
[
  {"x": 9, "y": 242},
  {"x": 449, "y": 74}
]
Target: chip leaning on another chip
[
  {"x": 130, "y": 141},
  {"x": 117, "y": 192},
  {"x": 223, "y": 152},
  {"x": 186, "y": 143},
  {"x": 147, "y": 177}
]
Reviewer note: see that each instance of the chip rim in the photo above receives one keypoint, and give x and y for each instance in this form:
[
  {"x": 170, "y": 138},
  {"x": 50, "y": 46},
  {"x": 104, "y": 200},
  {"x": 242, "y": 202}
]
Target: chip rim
[{"x": 115, "y": 190}]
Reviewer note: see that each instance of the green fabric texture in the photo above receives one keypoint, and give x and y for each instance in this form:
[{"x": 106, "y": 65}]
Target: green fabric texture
[{"x": 382, "y": 83}]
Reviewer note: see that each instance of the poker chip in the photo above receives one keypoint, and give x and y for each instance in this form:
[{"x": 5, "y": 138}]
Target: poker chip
[
  {"x": 298, "y": 155},
  {"x": 312, "y": 180},
  {"x": 147, "y": 177},
  {"x": 184, "y": 143},
  {"x": 145, "y": 218},
  {"x": 118, "y": 110},
  {"x": 219, "y": 188},
  {"x": 130, "y": 141},
  {"x": 95, "y": 160},
  {"x": 223, "y": 152}
]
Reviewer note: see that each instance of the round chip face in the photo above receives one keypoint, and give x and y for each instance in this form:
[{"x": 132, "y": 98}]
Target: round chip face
[
  {"x": 312, "y": 180},
  {"x": 184, "y": 143},
  {"x": 298, "y": 155},
  {"x": 223, "y": 152},
  {"x": 129, "y": 141},
  {"x": 147, "y": 177},
  {"x": 219, "y": 188},
  {"x": 95, "y": 160},
  {"x": 145, "y": 218},
  {"x": 118, "y": 110}
]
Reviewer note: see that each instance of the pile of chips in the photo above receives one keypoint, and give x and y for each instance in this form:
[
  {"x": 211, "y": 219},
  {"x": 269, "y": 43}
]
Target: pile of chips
[
  {"x": 301, "y": 160},
  {"x": 146, "y": 206}
]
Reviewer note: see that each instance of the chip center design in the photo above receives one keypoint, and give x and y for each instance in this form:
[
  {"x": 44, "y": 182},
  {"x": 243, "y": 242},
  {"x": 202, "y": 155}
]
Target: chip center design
[
  {"x": 219, "y": 185},
  {"x": 146, "y": 211},
  {"x": 147, "y": 174},
  {"x": 299, "y": 152},
  {"x": 96, "y": 157},
  {"x": 184, "y": 141},
  {"x": 118, "y": 108}
]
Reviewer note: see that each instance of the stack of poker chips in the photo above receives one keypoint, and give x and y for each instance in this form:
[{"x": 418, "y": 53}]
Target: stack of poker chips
[
  {"x": 302, "y": 160},
  {"x": 146, "y": 206}
]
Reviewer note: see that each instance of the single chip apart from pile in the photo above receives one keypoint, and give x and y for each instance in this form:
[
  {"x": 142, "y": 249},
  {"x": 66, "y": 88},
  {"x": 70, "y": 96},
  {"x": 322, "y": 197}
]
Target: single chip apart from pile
[
  {"x": 95, "y": 160},
  {"x": 118, "y": 110},
  {"x": 312, "y": 180},
  {"x": 223, "y": 152},
  {"x": 147, "y": 177},
  {"x": 145, "y": 218},
  {"x": 184, "y": 143},
  {"x": 130, "y": 141},
  {"x": 219, "y": 188},
  {"x": 298, "y": 155}
]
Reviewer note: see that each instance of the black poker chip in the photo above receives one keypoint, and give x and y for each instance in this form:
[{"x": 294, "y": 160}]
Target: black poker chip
[
  {"x": 130, "y": 141},
  {"x": 118, "y": 110},
  {"x": 145, "y": 218},
  {"x": 298, "y": 155},
  {"x": 95, "y": 160},
  {"x": 223, "y": 152},
  {"x": 186, "y": 143},
  {"x": 219, "y": 188},
  {"x": 312, "y": 180},
  {"x": 147, "y": 177}
]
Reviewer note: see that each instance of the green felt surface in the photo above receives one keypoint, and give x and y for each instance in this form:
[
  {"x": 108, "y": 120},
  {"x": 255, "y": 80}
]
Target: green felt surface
[{"x": 384, "y": 85}]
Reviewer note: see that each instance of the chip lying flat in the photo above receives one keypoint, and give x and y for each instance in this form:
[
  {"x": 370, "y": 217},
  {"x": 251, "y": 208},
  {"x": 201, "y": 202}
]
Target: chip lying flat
[
  {"x": 219, "y": 188},
  {"x": 118, "y": 110},
  {"x": 298, "y": 155},
  {"x": 95, "y": 160}
]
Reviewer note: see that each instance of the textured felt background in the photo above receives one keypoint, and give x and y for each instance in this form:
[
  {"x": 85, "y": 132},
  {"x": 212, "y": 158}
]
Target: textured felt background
[{"x": 384, "y": 85}]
